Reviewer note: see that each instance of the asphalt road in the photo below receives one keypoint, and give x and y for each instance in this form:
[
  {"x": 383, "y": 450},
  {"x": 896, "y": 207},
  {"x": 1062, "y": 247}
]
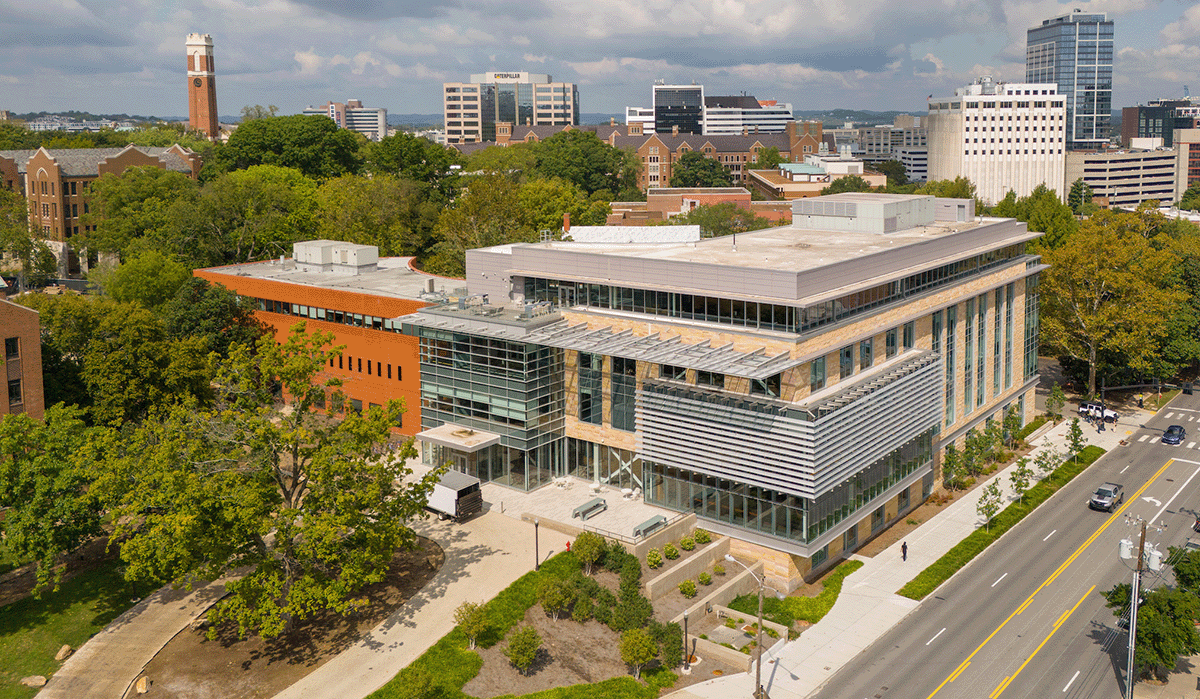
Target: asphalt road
[{"x": 1026, "y": 618}]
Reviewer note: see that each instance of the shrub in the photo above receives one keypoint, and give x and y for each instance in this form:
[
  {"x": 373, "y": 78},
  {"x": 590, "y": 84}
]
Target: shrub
[
  {"x": 556, "y": 595},
  {"x": 729, "y": 622},
  {"x": 523, "y": 647},
  {"x": 654, "y": 558},
  {"x": 631, "y": 613},
  {"x": 631, "y": 575},
  {"x": 705, "y": 579},
  {"x": 718, "y": 569},
  {"x": 614, "y": 556},
  {"x": 583, "y": 611},
  {"x": 811, "y": 609},
  {"x": 687, "y": 543},
  {"x": 670, "y": 552},
  {"x": 702, "y": 536},
  {"x": 688, "y": 588},
  {"x": 637, "y": 649},
  {"x": 669, "y": 638},
  {"x": 589, "y": 548}
]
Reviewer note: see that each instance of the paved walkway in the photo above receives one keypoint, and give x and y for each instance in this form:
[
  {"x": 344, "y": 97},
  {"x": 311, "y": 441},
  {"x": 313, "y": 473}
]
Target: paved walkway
[
  {"x": 113, "y": 659},
  {"x": 868, "y": 605}
]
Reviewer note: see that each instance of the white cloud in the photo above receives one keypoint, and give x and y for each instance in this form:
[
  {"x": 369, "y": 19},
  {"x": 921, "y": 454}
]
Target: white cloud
[
  {"x": 459, "y": 36},
  {"x": 310, "y": 62},
  {"x": 520, "y": 40},
  {"x": 1185, "y": 28},
  {"x": 530, "y": 58},
  {"x": 394, "y": 45}
]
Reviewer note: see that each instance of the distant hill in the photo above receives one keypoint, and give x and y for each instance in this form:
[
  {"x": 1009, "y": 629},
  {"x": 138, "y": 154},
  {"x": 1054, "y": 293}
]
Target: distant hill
[{"x": 860, "y": 117}]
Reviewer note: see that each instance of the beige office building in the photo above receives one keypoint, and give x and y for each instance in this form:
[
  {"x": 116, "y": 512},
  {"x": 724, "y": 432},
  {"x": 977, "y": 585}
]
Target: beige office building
[{"x": 471, "y": 109}]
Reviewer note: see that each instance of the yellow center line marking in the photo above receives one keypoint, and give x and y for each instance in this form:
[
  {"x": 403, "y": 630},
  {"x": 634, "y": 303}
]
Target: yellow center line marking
[
  {"x": 1112, "y": 518},
  {"x": 1066, "y": 615}
]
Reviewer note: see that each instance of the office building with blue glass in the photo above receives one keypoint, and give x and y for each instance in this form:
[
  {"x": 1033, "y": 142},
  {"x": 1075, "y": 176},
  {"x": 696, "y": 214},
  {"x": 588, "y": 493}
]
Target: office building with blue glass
[
  {"x": 1075, "y": 51},
  {"x": 793, "y": 387}
]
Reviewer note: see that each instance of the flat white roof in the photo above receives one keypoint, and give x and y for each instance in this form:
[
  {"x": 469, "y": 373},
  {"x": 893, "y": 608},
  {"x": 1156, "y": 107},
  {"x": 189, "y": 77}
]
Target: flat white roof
[{"x": 392, "y": 277}]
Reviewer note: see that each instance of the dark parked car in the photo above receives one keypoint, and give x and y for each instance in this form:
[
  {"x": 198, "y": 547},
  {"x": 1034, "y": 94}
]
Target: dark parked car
[
  {"x": 1107, "y": 497},
  {"x": 1174, "y": 434}
]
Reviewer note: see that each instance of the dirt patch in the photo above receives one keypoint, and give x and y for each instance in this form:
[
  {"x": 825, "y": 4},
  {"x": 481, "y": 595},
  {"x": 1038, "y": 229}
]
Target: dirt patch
[
  {"x": 192, "y": 667},
  {"x": 572, "y": 653}
]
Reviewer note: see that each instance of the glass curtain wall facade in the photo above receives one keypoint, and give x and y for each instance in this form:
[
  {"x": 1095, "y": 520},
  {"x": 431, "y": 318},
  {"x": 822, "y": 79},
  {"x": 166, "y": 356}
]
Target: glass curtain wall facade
[
  {"x": 779, "y": 514},
  {"x": 681, "y": 107},
  {"x": 510, "y": 388},
  {"x": 1075, "y": 51}
]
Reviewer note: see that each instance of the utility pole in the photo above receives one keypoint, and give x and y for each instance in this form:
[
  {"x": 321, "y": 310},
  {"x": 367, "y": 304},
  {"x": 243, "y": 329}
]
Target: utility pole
[{"x": 1133, "y": 609}]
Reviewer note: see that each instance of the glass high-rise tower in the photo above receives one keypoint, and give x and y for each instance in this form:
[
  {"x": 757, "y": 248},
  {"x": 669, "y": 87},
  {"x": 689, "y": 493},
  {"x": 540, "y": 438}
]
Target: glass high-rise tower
[{"x": 1075, "y": 51}]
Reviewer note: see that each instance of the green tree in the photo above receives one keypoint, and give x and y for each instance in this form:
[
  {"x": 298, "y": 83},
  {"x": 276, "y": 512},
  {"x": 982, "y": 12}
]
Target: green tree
[
  {"x": 245, "y": 216},
  {"x": 694, "y": 169},
  {"x": 471, "y": 619},
  {"x": 148, "y": 279},
  {"x": 518, "y": 161},
  {"x": 1079, "y": 195},
  {"x": 849, "y": 183},
  {"x": 396, "y": 214},
  {"x": 257, "y": 111},
  {"x": 1166, "y": 626},
  {"x": 957, "y": 188},
  {"x": 954, "y": 471},
  {"x": 976, "y": 447},
  {"x": 544, "y": 201},
  {"x": 1048, "y": 458},
  {"x": 1075, "y": 439},
  {"x": 36, "y": 263},
  {"x": 587, "y": 548},
  {"x": 217, "y": 316},
  {"x": 522, "y": 649},
  {"x": 313, "y": 145},
  {"x": 281, "y": 489},
  {"x": 716, "y": 220},
  {"x": 637, "y": 649},
  {"x": 133, "y": 205},
  {"x": 581, "y": 158},
  {"x": 1045, "y": 212},
  {"x": 766, "y": 159},
  {"x": 897, "y": 175},
  {"x": 487, "y": 213},
  {"x": 418, "y": 159},
  {"x": 1190, "y": 201},
  {"x": 1055, "y": 402},
  {"x": 1020, "y": 478},
  {"x": 1106, "y": 290},
  {"x": 1012, "y": 425},
  {"x": 989, "y": 502},
  {"x": 45, "y": 469}
]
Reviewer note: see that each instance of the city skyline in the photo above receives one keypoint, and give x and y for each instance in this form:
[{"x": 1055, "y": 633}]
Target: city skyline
[{"x": 126, "y": 57}]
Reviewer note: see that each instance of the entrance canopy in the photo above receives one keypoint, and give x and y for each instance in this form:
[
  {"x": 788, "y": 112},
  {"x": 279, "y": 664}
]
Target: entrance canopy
[{"x": 459, "y": 438}]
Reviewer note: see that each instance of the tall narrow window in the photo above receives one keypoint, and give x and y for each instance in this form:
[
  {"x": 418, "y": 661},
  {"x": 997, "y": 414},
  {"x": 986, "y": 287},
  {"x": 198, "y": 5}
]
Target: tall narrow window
[
  {"x": 1031, "y": 325},
  {"x": 910, "y": 334},
  {"x": 890, "y": 344},
  {"x": 866, "y": 354},
  {"x": 981, "y": 350},
  {"x": 591, "y": 396},
  {"x": 624, "y": 394},
  {"x": 846, "y": 362},
  {"x": 997, "y": 311},
  {"x": 969, "y": 358},
  {"x": 951, "y": 367},
  {"x": 817, "y": 375},
  {"x": 1008, "y": 336}
]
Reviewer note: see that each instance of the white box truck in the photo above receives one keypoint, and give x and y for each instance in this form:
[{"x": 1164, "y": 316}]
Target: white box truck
[{"x": 456, "y": 496}]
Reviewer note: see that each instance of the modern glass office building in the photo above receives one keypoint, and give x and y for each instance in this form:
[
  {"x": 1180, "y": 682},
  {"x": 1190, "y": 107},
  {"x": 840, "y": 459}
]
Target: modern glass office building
[
  {"x": 1075, "y": 51},
  {"x": 472, "y": 109},
  {"x": 679, "y": 107},
  {"x": 792, "y": 388}
]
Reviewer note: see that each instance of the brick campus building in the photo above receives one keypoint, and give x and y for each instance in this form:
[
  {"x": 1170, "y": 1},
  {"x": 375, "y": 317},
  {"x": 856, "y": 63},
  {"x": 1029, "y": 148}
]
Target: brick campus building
[
  {"x": 22, "y": 335},
  {"x": 348, "y": 290},
  {"x": 793, "y": 387}
]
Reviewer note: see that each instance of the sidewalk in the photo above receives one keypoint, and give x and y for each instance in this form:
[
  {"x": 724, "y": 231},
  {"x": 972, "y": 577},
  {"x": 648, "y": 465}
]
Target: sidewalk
[{"x": 868, "y": 605}]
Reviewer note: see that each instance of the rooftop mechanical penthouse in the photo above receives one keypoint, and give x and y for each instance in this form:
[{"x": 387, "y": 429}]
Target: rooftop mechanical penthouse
[{"x": 793, "y": 386}]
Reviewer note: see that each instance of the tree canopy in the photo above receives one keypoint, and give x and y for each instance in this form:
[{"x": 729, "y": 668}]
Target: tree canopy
[
  {"x": 417, "y": 159},
  {"x": 720, "y": 219},
  {"x": 1190, "y": 201},
  {"x": 313, "y": 145},
  {"x": 282, "y": 488},
  {"x": 135, "y": 204},
  {"x": 581, "y": 158},
  {"x": 897, "y": 175},
  {"x": 149, "y": 279},
  {"x": 1108, "y": 289},
  {"x": 694, "y": 169},
  {"x": 849, "y": 183}
]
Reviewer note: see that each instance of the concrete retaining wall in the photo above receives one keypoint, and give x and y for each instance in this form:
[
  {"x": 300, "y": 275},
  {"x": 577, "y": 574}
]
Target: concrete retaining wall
[
  {"x": 711, "y": 651},
  {"x": 740, "y": 584},
  {"x": 672, "y": 532},
  {"x": 699, "y": 561}
]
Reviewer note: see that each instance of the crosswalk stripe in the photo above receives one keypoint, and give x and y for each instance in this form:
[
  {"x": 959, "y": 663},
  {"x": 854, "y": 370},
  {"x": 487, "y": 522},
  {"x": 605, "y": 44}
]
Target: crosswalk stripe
[
  {"x": 1154, "y": 440},
  {"x": 1143, "y": 438},
  {"x": 1191, "y": 445}
]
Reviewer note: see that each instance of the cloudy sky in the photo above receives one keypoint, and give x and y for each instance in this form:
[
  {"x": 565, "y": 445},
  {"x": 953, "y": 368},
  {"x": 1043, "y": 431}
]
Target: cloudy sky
[{"x": 127, "y": 56}]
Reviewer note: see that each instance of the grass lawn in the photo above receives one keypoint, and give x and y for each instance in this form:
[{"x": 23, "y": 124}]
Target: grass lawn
[{"x": 32, "y": 630}]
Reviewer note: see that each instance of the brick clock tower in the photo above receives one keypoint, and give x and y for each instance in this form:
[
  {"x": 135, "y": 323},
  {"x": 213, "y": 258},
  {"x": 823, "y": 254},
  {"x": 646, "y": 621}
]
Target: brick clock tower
[{"x": 202, "y": 86}]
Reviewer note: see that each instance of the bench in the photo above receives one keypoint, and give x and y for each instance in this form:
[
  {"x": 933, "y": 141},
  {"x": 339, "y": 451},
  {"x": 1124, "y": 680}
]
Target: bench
[
  {"x": 645, "y": 528},
  {"x": 591, "y": 507}
]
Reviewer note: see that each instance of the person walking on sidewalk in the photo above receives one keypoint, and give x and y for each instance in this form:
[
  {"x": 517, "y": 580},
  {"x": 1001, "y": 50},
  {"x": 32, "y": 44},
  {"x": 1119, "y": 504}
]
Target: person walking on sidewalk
[{"x": 904, "y": 551}]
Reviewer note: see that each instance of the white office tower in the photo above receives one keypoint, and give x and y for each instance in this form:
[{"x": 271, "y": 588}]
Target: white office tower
[{"x": 1001, "y": 136}]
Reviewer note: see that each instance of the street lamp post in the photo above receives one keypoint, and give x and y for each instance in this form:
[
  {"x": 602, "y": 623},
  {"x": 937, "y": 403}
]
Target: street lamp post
[
  {"x": 687, "y": 654},
  {"x": 537, "y": 558},
  {"x": 759, "y": 692}
]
